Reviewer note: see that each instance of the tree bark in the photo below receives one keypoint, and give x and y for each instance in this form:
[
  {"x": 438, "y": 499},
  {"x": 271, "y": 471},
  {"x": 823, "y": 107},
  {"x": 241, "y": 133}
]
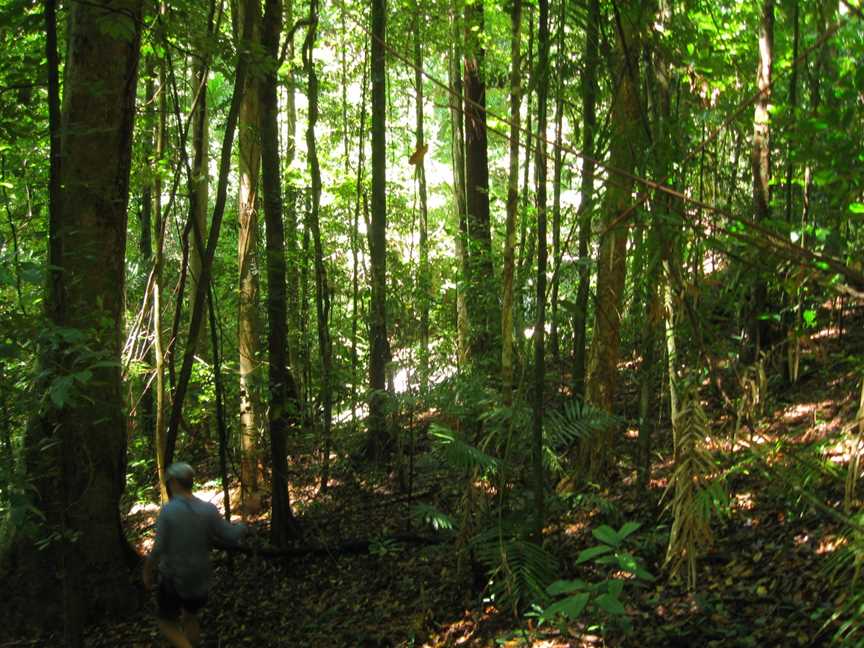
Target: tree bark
[
  {"x": 322, "y": 288},
  {"x": 540, "y": 321},
  {"x": 420, "y": 147},
  {"x": 75, "y": 448},
  {"x": 484, "y": 312},
  {"x": 283, "y": 390},
  {"x": 761, "y": 165},
  {"x": 249, "y": 164},
  {"x": 378, "y": 439},
  {"x": 512, "y": 204},
  {"x": 611, "y": 267}
]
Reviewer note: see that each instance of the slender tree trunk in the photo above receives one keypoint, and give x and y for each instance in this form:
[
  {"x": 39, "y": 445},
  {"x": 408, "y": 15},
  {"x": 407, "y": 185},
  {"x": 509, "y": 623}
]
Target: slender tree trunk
[
  {"x": 200, "y": 175},
  {"x": 554, "y": 342},
  {"x": 586, "y": 205},
  {"x": 283, "y": 389},
  {"x": 145, "y": 243},
  {"x": 75, "y": 447},
  {"x": 612, "y": 261},
  {"x": 423, "y": 271},
  {"x": 249, "y": 164},
  {"x": 483, "y": 310},
  {"x": 378, "y": 440},
  {"x": 512, "y": 203},
  {"x": 355, "y": 252},
  {"x": 457, "y": 123},
  {"x": 540, "y": 321},
  {"x": 322, "y": 289},
  {"x": 761, "y": 165}
]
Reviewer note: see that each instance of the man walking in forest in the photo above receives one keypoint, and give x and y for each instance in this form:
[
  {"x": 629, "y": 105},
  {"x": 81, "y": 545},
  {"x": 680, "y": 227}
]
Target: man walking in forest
[{"x": 186, "y": 530}]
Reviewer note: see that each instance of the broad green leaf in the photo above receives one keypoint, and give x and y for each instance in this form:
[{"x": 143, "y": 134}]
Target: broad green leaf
[
  {"x": 857, "y": 208},
  {"x": 610, "y": 604},
  {"x": 592, "y": 552},
  {"x": 566, "y": 587},
  {"x": 606, "y": 534},
  {"x": 571, "y": 607},
  {"x": 628, "y": 529},
  {"x": 616, "y": 586}
]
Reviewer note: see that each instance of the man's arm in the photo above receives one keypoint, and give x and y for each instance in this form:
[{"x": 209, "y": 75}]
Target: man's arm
[{"x": 223, "y": 533}]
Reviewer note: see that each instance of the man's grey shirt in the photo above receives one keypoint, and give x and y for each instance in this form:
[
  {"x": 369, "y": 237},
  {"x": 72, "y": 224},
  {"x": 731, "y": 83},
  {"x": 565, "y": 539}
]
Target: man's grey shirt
[{"x": 185, "y": 532}]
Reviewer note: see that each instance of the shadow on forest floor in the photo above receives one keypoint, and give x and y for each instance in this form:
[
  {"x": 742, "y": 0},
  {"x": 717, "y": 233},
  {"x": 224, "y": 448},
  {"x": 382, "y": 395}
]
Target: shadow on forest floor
[{"x": 762, "y": 584}]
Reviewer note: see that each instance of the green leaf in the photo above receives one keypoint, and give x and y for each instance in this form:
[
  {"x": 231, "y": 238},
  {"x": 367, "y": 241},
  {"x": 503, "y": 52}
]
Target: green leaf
[
  {"x": 610, "y": 604},
  {"x": 606, "y": 534},
  {"x": 566, "y": 587},
  {"x": 616, "y": 586},
  {"x": 628, "y": 529},
  {"x": 857, "y": 208},
  {"x": 571, "y": 607},
  {"x": 809, "y": 316},
  {"x": 592, "y": 552}
]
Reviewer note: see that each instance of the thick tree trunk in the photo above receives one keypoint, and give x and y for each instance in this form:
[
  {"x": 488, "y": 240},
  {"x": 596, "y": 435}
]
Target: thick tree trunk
[
  {"x": 75, "y": 449},
  {"x": 484, "y": 312},
  {"x": 512, "y": 204},
  {"x": 378, "y": 439},
  {"x": 283, "y": 391},
  {"x": 624, "y": 150},
  {"x": 249, "y": 164}
]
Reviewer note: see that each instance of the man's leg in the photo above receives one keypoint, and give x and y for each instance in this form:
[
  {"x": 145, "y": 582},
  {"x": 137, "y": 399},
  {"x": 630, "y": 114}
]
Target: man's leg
[
  {"x": 172, "y": 631},
  {"x": 192, "y": 628}
]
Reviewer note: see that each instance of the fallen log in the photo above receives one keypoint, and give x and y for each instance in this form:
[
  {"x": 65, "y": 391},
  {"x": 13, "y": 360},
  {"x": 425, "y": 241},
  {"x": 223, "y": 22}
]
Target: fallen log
[{"x": 348, "y": 548}]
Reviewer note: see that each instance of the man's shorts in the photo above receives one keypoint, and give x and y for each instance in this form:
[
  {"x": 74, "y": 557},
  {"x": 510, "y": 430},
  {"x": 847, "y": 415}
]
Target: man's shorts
[{"x": 171, "y": 604}]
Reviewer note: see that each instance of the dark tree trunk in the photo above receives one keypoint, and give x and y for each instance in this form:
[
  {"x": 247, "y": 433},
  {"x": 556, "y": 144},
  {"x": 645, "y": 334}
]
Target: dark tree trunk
[
  {"x": 586, "y": 206},
  {"x": 283, "y": 390},
  {"x": 484, "y": 313},
  {"x": 378, "y": 440},
  {"x": 540, "y": 320}
]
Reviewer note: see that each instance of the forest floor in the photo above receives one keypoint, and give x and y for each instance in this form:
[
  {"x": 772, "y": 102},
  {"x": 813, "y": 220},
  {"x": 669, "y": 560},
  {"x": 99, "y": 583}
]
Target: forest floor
[{"x": 765, "y": 582}]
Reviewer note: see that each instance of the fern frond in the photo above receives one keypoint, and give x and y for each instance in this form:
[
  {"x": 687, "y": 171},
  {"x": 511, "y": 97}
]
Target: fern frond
[{"x": 459, "y": 453}]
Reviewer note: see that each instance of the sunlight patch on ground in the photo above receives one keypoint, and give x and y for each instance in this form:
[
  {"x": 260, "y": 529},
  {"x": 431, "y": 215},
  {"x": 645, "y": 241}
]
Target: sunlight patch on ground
[
  {"x": 744, "y": 501},
  {"x": 830, "y": 544}
]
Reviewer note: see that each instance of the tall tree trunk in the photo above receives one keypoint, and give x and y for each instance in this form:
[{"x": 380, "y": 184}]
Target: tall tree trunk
[
  {"x": 540, "y": 321},
  {"x": 611, "y": 267},
  {"x": 145, "y": 242},
  {"x": 199, "y": 197},
  {"x": 457, "y": 141},
  {"x": 322, "y": 289},
  {"x": 420, "y": 147},
  {"x": 560, "y": 55},
  {"x": 512, "y": 203},
  {"x": 761, "y": 165},
  {"x": 75, "y": 448},
  {"x": 586, "y": 191},
  {"x": 378, "y": 440},
  {"x": 483, "y": 310},
  {"x": 158, "y": 264},
  {"x": 283, "y": 390},
  {"x": 249, "y": 163}
]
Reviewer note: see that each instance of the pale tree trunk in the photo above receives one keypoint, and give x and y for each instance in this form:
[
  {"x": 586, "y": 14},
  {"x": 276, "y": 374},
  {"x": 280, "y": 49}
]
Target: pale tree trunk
[
  {"x": 322, "y": 289},
  {"x": 512, "y": 204},
  {"x": 158, "y": 264},
  {"x": 761, "y": 165},
  {"x": 378, "y": 435},
  {"x": 540, "y": 321},
  {"x": 457, "y": 123},
  {"x": 75, "y": 448},
  {"x": 624, "y": 151},
  {"x": 249, "y": 164},
  {"x": 283, "y": 391}
]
